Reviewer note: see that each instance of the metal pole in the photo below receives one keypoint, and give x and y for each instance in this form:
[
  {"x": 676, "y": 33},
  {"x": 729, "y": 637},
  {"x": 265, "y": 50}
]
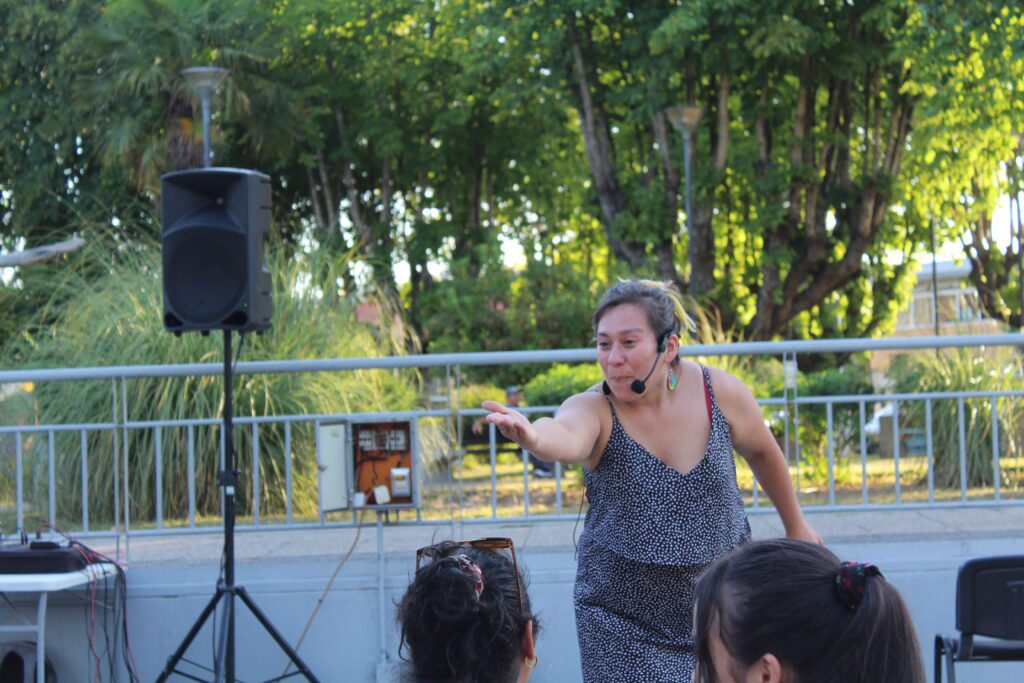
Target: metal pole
[
  {"x": 204, "y": 98},
  {"x": 381, "y": 601},
  {"x": 687, "y": 135},
  {"x": 227, "y": 481}
]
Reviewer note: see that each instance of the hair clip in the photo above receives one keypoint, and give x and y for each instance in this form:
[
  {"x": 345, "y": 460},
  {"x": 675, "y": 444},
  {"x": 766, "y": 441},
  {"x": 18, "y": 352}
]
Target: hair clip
[
  {"x": 851, "y": 580},
  {"x": 466, "y": 564}
]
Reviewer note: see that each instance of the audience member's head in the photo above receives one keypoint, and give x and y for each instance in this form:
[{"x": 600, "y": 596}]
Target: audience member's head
[
  {"x": 785, "y": 611},
  {"x": 466, "y": 615}
]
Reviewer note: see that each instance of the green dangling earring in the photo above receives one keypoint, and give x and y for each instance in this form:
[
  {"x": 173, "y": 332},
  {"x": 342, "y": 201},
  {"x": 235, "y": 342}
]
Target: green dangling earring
[{"x": 671, "y": 381}]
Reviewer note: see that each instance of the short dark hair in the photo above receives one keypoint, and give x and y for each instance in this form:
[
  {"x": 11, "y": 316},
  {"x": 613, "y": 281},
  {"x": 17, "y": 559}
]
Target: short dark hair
[
  {"x": 661, "y": 302},
  {"x": 455, "y": 636},
  {"x": 779, "y": 597}
]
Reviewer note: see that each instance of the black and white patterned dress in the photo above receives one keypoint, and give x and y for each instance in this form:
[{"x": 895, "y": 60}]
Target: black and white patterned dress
[{"x": 649, "y": 533}]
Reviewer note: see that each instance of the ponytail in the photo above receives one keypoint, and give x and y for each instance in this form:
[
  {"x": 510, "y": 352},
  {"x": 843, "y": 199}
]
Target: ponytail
[{"x": 462, "y": 619}]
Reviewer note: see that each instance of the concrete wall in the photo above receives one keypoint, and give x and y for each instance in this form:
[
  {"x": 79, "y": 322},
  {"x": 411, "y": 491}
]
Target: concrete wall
[{"x": 167, "y": 594}]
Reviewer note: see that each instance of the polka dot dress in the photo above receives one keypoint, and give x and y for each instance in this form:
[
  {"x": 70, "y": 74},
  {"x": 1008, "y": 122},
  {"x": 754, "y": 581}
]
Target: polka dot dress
[{"x": 649, "y": 533}]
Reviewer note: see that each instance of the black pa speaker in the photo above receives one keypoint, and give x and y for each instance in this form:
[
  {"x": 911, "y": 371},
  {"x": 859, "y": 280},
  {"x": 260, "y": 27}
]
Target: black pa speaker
[{"x": 216, "y": 222}]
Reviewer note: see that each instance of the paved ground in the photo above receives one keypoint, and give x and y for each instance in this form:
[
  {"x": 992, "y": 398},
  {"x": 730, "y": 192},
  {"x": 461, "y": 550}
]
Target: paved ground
[{"x": 837, "y": 527}]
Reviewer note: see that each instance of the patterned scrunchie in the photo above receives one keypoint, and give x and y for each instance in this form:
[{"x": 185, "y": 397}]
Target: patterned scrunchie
[
  {"x": 851, "y": 580},
  {"x": 467, "y": 565}
]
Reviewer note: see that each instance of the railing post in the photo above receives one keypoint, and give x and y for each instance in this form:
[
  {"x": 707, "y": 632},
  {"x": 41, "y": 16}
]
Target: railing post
[
  {"x": 963, "y": 448},
  {"x": 492, "y": 448},
  {"x": 831, "y": 456},
  {"x": 124, "y": 464},
  {"x": 191, "y": 477},
  {"x": 158, "y": 454},
  {"x": 896, "y": 449},
  {"x": 19, "y": 448},
  {"x": 995, "y": 447},
  {"x": 863, "y": 454},
  {"x": 115, "y": 452},
  {"x": 288, "y": 472},
  {"x": 929, "y": 445},
  {"x": 51, "y": 477},
  {"x": 85, "y": 482},
  {"x": 255, "y": 474},
  {"x": 796, "y": 425}
]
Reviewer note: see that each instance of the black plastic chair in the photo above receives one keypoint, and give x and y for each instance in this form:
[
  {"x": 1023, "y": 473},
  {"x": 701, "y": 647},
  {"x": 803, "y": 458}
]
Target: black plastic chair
[{"x": 989, "y": 604}]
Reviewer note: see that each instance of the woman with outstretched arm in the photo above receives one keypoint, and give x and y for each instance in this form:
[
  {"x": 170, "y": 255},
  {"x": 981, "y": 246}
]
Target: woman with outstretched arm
[{"x": 656, "y": 442}]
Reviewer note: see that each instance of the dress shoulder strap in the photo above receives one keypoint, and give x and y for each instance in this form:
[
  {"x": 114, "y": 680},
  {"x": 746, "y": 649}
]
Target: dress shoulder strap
[
  {"x": 615, "y": 418},
  {"x": 708, "y": 392}
]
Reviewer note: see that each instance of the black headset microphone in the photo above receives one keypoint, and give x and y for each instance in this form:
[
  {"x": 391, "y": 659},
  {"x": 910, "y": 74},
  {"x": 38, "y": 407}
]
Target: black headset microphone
[{"x": 639, "y": 386}]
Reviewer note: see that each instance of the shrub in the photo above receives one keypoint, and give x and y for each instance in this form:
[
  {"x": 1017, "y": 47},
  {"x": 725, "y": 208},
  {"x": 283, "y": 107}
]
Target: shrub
[
  {"x": 561, "y": 381},
  {"x": 960, "y": 370},
  {"x": 116, "y": 321},
  {"x": 850, "y": 379}
]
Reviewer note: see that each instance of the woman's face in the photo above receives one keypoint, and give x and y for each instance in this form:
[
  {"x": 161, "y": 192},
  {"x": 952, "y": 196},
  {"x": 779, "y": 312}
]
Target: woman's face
[{"x": 626, "y": 347}]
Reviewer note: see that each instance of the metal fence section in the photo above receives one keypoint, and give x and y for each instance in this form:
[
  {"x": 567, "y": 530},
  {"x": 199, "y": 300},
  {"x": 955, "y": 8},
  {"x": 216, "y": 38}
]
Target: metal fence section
[{"x": 879, "y": 450}]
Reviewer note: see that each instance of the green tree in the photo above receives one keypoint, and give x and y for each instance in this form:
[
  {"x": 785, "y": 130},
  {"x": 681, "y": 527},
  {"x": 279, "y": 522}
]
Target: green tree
[
  {"x": 51, "y": 184},
  {"x": 971, "y": 137},
  {"x": 799, "y": 159}
]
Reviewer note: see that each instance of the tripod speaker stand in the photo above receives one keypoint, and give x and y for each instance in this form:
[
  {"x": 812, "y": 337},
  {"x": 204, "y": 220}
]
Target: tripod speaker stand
[
  {"x": 227, "y": 590},
  {"x": 215, "y": 221}
]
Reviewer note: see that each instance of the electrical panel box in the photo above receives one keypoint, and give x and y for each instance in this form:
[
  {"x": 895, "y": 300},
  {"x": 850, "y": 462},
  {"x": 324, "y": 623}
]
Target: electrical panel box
[
  {"x": 371, "y": 463},
  {"x": 332, "y": 460}
]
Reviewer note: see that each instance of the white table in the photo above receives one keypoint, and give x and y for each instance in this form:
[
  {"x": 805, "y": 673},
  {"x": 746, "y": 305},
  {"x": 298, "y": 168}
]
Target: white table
[{"x": 44, "y": 584}]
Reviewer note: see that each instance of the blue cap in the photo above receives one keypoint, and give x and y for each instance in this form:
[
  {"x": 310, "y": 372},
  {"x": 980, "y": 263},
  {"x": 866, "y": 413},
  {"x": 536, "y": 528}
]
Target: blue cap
[{"x": 512, "y": 389}]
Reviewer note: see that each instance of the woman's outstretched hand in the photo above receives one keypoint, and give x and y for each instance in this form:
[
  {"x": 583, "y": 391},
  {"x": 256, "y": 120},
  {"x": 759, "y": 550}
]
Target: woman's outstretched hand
[{"x": 512, "y": 424}]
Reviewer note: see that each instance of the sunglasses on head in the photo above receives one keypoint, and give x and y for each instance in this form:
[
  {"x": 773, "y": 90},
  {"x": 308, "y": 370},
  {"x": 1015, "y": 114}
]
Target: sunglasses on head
[{"x": 445, "y": 549}]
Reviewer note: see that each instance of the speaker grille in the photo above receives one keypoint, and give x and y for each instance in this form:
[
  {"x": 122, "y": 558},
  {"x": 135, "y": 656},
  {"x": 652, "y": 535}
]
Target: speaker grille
[{"x": 207, "y": 273}]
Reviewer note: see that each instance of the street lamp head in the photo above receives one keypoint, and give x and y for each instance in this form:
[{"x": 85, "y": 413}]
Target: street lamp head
[
  {"x": 685, "y": 117},
  {"x": 204, "y": 80}
]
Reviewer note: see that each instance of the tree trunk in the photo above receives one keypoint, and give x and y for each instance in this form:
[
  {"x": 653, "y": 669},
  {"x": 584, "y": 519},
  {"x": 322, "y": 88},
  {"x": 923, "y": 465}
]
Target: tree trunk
[
  {"x": 701, "y": 250},
  {"x": 600, "y": 157},
  {"x": 665, "y": 250},
  {"x": 355, "y": 212}
]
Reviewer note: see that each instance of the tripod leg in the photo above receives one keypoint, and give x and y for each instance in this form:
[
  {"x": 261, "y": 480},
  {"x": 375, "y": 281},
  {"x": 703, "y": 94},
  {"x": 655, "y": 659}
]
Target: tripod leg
[
  {"x": 193, "y": 632},
  {"x": 220, "y": 660},
  {"x": 281, "y": 642}
]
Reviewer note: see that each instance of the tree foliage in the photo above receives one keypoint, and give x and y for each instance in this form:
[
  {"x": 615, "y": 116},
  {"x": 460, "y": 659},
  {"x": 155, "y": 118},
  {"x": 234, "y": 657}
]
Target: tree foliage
[{"x": 416, "y": 143}]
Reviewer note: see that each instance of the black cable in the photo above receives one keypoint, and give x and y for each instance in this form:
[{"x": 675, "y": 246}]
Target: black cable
[
  {"x": 238, "y": 351},
  {"x": 88, "y": 650},
  {"x": 323, "y": 596},
  {"x": 111, "y": 649},
  {"x": 120, "y": 617}
]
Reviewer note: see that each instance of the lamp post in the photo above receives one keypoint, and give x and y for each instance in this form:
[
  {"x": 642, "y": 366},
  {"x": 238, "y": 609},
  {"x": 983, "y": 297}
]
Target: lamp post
[
  {"x": 685, "y": 118},
  {"x": 204, "y": 81}
]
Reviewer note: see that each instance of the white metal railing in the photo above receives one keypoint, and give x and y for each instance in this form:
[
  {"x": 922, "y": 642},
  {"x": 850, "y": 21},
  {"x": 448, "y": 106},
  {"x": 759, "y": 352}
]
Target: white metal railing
[{"x": 505, "y": 489}]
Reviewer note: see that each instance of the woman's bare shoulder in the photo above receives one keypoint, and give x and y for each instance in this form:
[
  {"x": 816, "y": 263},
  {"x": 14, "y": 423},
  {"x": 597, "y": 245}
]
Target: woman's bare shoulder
[
  {"x": 589, "y": 400},
  {"x": 731, "y": 392}
]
